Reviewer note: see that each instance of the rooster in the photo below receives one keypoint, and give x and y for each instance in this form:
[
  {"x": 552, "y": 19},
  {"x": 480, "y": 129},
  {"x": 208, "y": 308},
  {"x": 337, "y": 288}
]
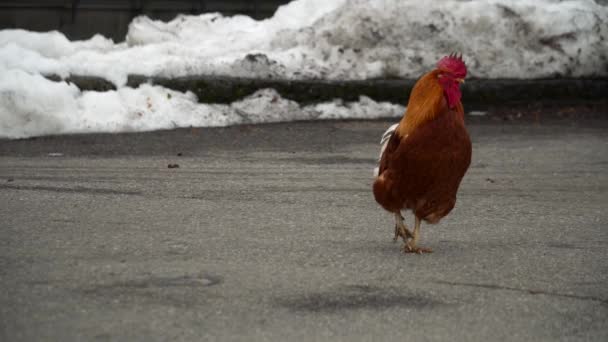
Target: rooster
[{"x": 424, "y": 157}]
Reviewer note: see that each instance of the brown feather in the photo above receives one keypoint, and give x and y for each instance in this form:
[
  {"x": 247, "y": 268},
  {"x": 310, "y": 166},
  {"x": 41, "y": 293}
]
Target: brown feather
[{"x": 427, "y": 157}]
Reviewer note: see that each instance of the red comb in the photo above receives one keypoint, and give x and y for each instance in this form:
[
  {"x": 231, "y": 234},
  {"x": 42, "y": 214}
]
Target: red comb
[{"x": 454, "y": 65}]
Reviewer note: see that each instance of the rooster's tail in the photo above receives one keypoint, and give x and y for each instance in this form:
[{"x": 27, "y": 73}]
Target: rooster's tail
[{"x": 383, "y": 142}]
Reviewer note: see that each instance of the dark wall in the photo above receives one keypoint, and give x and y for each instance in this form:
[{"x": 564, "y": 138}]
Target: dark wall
[{"x": 81, "y": 19}]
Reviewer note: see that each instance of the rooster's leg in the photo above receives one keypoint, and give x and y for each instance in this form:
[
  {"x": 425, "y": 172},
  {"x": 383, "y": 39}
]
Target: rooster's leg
[
  {"x": 411, "y": 245},
  {"x": 400, "y": 228}
]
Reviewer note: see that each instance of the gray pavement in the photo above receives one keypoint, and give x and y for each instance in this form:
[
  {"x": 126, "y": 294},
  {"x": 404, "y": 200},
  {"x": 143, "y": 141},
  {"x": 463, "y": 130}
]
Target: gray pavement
[{"x": 271, "y": 233}]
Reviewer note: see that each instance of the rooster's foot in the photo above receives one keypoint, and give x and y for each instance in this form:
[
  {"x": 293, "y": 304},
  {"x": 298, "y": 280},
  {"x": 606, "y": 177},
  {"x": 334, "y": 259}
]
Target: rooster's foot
[{"x": 407, "y": 248}]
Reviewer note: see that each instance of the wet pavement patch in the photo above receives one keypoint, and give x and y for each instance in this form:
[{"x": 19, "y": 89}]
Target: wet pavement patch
[{"x": 357, "y": 297}]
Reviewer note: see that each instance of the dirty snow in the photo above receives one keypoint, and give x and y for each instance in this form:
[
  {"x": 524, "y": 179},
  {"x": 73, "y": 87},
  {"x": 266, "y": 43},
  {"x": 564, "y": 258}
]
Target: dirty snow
[
  {"x": 338, "y": 39},
  {"x": 306, "y": 39},
  {"x": 31, "y": 105}
]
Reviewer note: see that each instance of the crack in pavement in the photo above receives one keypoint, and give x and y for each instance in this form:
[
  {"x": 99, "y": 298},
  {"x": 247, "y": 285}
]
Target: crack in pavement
[
  {"x": 528, "y": 291},
  {"x": 77, "y": 189}
]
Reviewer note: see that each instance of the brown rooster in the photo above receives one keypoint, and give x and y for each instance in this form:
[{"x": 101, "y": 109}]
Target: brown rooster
[{"x": 425, "y": 156}]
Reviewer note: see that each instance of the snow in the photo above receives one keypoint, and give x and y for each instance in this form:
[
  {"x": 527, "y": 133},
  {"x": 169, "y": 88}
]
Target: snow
[
  {"x": 477, "y": 113},
  {"x": 339, "y": 39},
  {"x": 306, "y": 39},
  {"x": 31, "y": 105}
]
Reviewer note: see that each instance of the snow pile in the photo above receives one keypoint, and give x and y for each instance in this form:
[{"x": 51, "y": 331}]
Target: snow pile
[
  {"x": 31, "y": 105},
  {"x": 306, "y": 39},
  {"x": 338, "y": 39},
  {"x": 499, "y": 38}
]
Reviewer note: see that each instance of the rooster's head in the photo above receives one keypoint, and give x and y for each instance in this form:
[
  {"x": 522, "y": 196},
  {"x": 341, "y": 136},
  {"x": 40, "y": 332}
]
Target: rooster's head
[{"x": 452, "y": 73}]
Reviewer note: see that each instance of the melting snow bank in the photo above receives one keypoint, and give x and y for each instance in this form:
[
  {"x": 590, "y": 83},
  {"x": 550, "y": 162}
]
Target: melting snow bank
[
  {"x": 31, "y": 105},
  {"x": 338, "y": 39},
  {"x": 306, "y": 39}
]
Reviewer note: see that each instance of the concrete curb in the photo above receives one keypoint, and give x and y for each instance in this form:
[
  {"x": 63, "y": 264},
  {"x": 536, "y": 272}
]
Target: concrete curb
[{"x": 476, "y": 92}]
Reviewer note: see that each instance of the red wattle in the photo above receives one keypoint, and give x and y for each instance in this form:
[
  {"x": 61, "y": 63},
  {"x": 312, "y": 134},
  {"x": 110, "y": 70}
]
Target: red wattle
[{"x": 451, "y": 89}]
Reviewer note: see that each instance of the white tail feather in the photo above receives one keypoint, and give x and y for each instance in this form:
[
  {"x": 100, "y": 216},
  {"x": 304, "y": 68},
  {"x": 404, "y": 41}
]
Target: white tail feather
[{"x": 383, "y": 142}]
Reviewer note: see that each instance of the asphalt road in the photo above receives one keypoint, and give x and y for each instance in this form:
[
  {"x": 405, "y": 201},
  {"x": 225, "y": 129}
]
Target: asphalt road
[{"x": 271, "y": 233}]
